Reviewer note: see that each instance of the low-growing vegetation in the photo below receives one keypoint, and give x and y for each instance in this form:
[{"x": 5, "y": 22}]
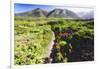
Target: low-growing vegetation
[{"x": 74, "y": 40}]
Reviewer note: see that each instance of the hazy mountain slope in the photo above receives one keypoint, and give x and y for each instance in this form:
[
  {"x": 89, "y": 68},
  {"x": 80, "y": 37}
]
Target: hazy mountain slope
[
  {"x": 86, "y": 15},
  {"x": 89, "y": 15}
]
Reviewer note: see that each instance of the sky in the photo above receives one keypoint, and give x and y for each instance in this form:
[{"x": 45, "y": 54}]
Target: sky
[{"x": 19, "y": 8}]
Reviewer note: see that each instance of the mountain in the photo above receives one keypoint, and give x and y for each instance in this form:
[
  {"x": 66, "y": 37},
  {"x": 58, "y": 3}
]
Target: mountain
[
  {"x": 34, "y": 13},
  {"x": 63, "y": 13},
  {"x": 88, "y": 15},
  {"x": 58, "y": 13}
]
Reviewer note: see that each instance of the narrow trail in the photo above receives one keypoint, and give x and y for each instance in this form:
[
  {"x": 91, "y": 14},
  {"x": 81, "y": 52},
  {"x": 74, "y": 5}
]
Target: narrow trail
[{"x": 50, "y": 46}]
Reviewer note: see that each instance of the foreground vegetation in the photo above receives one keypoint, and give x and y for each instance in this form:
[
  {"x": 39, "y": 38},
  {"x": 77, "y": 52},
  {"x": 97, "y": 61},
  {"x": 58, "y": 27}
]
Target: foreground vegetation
[
  {"x": 74, "y": 40},
  {"x": 31, "y": 41}
]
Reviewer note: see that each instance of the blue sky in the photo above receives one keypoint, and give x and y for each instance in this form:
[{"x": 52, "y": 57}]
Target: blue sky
[{"x": 27, "y": 7}]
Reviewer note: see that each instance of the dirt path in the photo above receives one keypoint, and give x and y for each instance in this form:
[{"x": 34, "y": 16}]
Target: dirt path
[{"x": 50, "y": 46}]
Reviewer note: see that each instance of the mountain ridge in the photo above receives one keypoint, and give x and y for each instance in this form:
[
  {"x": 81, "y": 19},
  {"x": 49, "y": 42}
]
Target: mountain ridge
[{"x": 56, "y": 13}]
